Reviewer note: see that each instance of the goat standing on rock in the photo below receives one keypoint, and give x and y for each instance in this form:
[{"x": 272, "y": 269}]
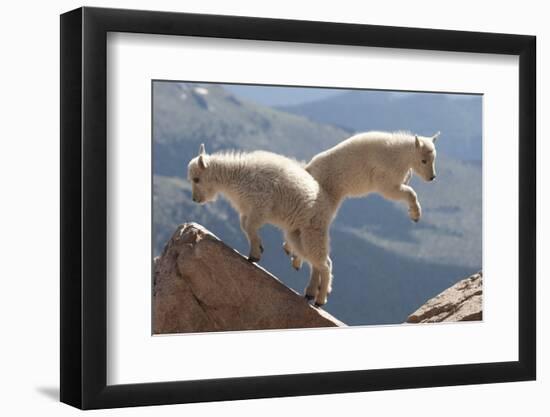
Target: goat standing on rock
[{"x": 268, "y": 188}]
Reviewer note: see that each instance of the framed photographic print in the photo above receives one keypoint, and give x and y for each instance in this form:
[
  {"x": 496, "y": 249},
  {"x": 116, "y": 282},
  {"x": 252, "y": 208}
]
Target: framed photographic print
[{"x": 258, "y": 207}]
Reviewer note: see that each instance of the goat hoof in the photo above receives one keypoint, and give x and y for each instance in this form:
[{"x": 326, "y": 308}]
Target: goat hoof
[
  {"x": 252, "y": 259},
  {"x": 318, "y": 305},
  {"x": 261, "y": 249},
  {"x": 296, "y": 263},
  {"x": 309, "y": 297}
]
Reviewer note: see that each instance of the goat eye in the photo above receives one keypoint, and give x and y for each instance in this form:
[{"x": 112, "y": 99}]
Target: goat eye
[
  {"x": 424, "y": 161},
  {"x": 195, "y": 180}
]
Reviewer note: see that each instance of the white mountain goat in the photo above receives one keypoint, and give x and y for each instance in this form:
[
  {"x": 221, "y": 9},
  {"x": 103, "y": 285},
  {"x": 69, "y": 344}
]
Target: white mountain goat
[
  {"x": 374, "y": 162},
  {"x": 268, "y": 188}
]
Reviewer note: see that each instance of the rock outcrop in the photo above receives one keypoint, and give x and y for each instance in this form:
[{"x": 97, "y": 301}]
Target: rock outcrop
[
  {"x": 202, "y": 285},
  {"x": 461, "y": 302}
]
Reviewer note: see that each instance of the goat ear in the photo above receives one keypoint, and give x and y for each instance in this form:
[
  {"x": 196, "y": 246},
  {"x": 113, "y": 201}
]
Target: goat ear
[
  {"x": 203, "y": 161},
  {"x": 436, "y": 136},
  {"x": 417, "y": 142},
  {"x": 203, "y": 158}
]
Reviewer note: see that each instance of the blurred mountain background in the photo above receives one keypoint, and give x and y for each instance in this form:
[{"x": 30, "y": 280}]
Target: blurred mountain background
[{"x": 385, "y": 266}]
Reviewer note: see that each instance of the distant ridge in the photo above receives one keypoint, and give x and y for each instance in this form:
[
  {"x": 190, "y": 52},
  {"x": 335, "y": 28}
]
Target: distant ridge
[{"x": 458, "y": 117}]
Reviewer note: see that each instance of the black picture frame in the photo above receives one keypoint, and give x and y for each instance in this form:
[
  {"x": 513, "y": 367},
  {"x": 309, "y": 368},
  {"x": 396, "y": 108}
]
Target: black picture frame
[{"x": 84, "y": 207}]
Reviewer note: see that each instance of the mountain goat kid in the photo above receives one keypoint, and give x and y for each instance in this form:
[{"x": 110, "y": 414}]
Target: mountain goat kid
[
  {"x": 374, "y": 162},
  {"x": 268, "y": 188}
]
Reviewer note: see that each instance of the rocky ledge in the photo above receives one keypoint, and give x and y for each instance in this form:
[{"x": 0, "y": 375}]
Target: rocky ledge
[
  {"x": 461, "y": 302},
  {"x": 203, "y": 285}
]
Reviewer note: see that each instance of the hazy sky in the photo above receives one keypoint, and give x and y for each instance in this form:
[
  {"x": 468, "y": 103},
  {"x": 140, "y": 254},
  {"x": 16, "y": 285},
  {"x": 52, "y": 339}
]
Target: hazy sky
[
  {"x": 288, "y": 96},
  {"x": 280, "y": 96}
]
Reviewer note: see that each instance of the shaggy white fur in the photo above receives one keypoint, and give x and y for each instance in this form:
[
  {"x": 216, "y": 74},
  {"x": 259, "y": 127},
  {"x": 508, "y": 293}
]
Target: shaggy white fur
[
  {"x": 375, "y": 162},
  {"x": 268, "y": 188}
]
